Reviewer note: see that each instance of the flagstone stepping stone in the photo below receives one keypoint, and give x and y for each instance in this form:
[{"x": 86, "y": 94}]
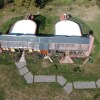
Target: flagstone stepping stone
[
  {"x": 84, "y": 85},
  {"x": 22, "y": 59},
  {"x": 44, "y": 78},
  {"x": 28, "y": 77},
  {"x": 61, "y": 80},
  {"x": 98, "y": 83},
  {"x": 68, "y": 88},
  {"x": 23, "y": 71},
  {"x": 19, "y": 65}
]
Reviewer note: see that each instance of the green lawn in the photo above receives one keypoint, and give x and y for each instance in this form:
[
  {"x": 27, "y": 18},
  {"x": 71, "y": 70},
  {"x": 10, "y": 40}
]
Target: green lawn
[
  {"x": 6, "y": 26},
  {"x": 70, "y": 72},
  {"x": 2, "y": 94},
  {"x": 14, "y": 87}
]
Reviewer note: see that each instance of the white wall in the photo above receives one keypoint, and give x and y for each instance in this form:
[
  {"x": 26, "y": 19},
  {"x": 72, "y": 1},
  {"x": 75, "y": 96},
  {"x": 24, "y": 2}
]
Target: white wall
[
  {"x": 68, "y": 28},
  {"x": 24, "y": 27}
]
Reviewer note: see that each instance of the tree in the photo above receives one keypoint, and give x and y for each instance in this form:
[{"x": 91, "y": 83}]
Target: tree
[
  {"x": 28, "y": 3},
  {"x": 24, "y": 3},
  {"x": 10, "y": 1},
  {"x": 1, "y": 3},
  {"x": 41, "y": 3},
  {"x": 19, "y": 3}
]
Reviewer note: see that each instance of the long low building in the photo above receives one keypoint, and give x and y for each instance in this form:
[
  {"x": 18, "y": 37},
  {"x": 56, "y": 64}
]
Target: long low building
[{"x": 45, "y": 43}]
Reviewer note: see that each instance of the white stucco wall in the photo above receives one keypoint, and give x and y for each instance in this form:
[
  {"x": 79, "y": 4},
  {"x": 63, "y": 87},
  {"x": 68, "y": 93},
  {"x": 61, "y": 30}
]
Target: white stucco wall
[
  {"x": 68, "y": 28},
  {"x": 24, "y": 27}
]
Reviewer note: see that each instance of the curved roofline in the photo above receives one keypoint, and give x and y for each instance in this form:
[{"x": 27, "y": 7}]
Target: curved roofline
[
  {"x": 18, "y": 22},
  {"x": 71, "y": 23}
]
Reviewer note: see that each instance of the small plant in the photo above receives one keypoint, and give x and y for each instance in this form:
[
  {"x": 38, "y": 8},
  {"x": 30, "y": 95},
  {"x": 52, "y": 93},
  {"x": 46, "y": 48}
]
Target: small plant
[
  {"x": 87, "y": 5},
  {"x": 78, "y": 69},
  {"x": 12, "y": 9},
  {"x": 98, "y": 3}
]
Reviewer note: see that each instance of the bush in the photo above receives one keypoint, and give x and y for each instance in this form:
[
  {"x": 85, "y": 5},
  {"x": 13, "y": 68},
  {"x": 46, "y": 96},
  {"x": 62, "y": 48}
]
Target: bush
[
  {"x": 1, "y": 3},
  {"x": 24, "y": 3},
  {"x": 10, "y": 1},
  {"x": 41, "y": 3}
]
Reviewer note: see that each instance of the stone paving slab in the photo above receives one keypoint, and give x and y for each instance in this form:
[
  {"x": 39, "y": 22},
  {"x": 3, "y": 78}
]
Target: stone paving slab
[
  {"x": 44, "y": 78},
  {"x": 22, "y": 59},
  {"x": 98, "y": 83},
  {"x": 61, "y": 80},
  {"x": 28, "y": 77},
  {"x": 68, "y": 88},
  {"x": 84, "y": 85},
  {"x": 19, "y": 65},
  {"x": 23, "y": 71}
]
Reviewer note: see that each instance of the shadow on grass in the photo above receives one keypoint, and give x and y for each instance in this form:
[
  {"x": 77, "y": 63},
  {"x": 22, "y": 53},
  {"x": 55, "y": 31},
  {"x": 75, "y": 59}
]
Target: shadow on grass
[{"x": 2, "y": 94}]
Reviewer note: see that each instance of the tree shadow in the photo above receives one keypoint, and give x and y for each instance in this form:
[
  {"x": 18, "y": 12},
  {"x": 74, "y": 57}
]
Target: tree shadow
[
  {"x": 41, "y": 3},
  {"x": 41, "y": 24}
]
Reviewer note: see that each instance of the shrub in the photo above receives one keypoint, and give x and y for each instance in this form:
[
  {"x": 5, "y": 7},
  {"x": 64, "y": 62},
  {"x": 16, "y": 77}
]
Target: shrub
[
  {"x": 24, "y": 3},
  {"x": 41, "y": 3},
  {"x": 1, "y": 3},
  {"x": 10, "y": 1}
]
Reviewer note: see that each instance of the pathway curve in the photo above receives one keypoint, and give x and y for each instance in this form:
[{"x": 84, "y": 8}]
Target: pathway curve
[{"x": 68, "y": 87}]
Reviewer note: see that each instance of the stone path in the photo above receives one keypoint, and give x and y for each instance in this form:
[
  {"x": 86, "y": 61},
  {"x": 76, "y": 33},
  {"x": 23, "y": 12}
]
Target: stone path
[
  {"x": 68, "y": 87},
  {"x": 61, "y": 80},
  {"x": 21, "y": 65},
  {"x": 98, "y": 83},
  {"x": 28, "y": 77},
  {"x": 45, "y": 78},
  {"x": 23, "y": 71},
  {"x": 84, "y": 85}
]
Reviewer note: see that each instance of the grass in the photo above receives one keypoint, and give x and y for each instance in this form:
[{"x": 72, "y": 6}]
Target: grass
[
  {"x": 74, "y": 72},
  {"x": 1, "y": 16},
  {"x": 6, "y": 26},
  {"x": 46, "y": 24},
  {"x": 14, "y": 87},
  {"x": 62, "y": 2},
  {"x": 70, "y": 72},
  {"x": 38, "y": 66},
  {"x": 2, "y": 94},
  {"x": 94, "y": 25}
]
